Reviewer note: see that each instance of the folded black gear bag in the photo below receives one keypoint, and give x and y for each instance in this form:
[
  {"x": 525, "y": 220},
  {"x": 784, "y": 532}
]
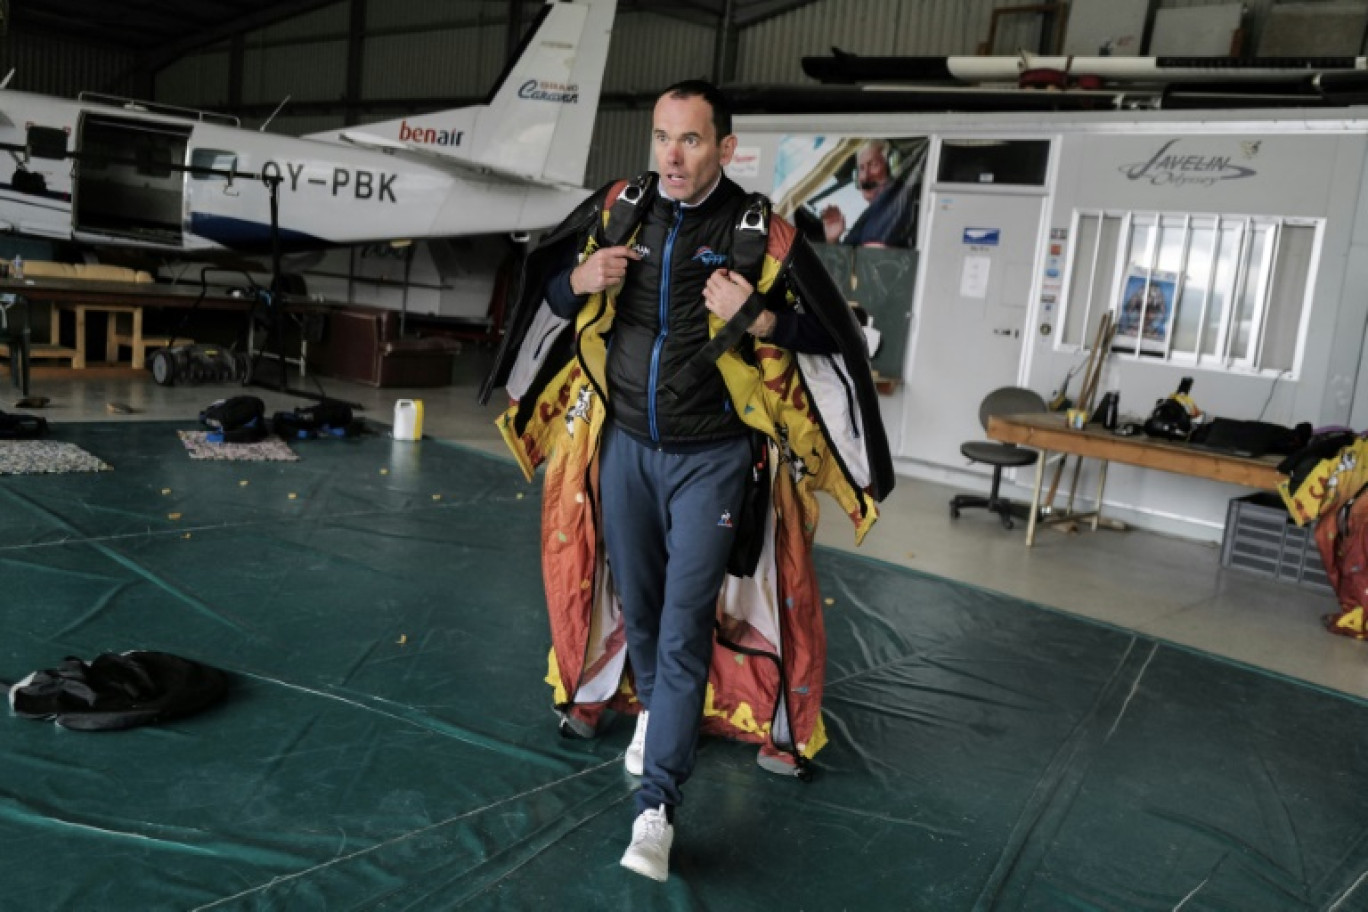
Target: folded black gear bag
[
  {"x": 237, "y": 419},
  {"x": 331, "y": 419},
  {"x": 118, "y": 691},
  {"x": 22, "y": 427}
]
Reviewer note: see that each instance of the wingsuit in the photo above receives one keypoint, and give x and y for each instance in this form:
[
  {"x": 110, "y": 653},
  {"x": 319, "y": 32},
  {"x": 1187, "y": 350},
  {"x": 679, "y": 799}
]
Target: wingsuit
[
  {"x": 1330, "y": 494},
  {"x": 818, "y": 419}
]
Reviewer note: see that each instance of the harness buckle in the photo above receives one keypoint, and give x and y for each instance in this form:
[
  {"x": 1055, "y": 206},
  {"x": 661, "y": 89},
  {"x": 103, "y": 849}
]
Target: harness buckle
[
  {"x": 631, "y": 194},
  {"x": 753, "y": 219}
]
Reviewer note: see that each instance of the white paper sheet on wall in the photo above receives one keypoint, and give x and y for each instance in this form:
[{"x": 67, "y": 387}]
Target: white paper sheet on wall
[{"x": 974, "y": 276}]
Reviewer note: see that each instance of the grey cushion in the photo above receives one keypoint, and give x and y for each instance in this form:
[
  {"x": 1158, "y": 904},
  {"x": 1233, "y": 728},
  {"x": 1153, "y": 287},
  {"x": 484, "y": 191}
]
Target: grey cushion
[{"x": 1000, "y": 454}]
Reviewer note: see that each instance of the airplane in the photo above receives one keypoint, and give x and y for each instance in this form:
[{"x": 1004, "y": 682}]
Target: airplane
[{"x": 114, "y": 172}]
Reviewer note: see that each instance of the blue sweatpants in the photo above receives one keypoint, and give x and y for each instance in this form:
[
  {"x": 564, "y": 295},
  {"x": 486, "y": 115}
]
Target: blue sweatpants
[{"x": 668, "y": 525}]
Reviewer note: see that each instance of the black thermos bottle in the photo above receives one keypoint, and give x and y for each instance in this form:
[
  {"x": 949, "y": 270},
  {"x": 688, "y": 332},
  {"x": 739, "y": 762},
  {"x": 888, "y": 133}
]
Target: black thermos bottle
[{"x": 1107, "y": 410}]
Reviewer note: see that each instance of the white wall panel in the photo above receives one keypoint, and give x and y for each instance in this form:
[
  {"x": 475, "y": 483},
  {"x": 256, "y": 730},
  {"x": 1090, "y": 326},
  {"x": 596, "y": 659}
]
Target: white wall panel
[
  {"x": 305, "y": 72},
  {"x": 442, "y": 62},
  {"x": 1256, "y": 12},
  {"x": 649, "y": 52}
]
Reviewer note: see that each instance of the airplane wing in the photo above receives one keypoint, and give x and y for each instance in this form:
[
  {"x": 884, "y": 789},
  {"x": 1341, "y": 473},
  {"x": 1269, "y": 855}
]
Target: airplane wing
[{"x": 467, "y": 169}]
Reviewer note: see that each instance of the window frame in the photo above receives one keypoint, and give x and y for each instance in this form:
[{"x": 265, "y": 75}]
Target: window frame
[{"x": 1079, "y": 335}]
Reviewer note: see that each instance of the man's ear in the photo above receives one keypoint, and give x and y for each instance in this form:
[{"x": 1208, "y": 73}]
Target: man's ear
[{"x": 728, "y": 148}]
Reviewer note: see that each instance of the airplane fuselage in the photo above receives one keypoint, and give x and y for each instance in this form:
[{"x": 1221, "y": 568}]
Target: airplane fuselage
[{"x": 133, "y": 176}]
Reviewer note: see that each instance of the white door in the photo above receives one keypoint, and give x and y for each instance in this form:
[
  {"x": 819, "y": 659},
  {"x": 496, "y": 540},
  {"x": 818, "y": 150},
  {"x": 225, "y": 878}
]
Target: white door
[{"x": 979, "y": 266}]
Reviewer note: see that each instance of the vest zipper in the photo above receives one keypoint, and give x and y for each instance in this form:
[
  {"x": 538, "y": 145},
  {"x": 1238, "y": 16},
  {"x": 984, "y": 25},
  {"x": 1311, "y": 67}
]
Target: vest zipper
[{"x": 659, "y": 346}]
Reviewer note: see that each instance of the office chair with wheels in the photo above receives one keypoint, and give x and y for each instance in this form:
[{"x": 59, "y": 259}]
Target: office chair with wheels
[{"x": 1009, "y": 400}]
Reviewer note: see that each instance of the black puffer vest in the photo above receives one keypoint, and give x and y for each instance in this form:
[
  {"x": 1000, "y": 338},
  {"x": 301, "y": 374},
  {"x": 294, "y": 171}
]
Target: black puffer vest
[{"x": 662, "y": 320}]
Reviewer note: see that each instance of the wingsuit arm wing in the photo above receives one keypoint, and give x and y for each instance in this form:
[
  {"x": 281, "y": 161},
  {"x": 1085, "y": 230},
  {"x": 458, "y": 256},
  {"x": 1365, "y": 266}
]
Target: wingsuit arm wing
[
  {"x": 551, "y": 253},
  {"x": 820, "y": 295}
]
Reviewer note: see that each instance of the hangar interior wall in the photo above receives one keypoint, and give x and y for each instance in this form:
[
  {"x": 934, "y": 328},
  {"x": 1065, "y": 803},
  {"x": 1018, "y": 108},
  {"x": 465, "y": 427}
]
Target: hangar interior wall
[
  {"x": 417, "y": 55},
  {"x": 51, "y": 66}
]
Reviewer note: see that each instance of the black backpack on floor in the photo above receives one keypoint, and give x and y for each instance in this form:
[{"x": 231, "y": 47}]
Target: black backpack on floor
[
  {"x": 22, "y": 427},
  {"x": 330, "y": 419},
  {"x": 239, "y": 419},
  {"x": 118, "y": 691}
]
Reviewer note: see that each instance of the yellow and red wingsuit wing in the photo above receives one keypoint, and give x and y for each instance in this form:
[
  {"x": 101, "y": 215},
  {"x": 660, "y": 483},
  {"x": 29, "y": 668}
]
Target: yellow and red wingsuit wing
[{"x": 1329, "y": 496}]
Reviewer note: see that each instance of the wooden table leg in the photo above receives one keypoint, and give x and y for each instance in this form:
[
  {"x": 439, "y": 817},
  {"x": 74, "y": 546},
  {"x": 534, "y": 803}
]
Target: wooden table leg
[
  {"x": 79, "y": 362},
  {"x": 139, "y": 352},
  {"x": 1101, "y": 487},
  {"x": 112, "y": 329},
  {"x": 1035, "y": 500}
]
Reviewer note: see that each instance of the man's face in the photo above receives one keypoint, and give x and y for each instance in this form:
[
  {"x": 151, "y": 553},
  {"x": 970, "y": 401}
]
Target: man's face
[
  {"x": 871, "y": 172},
  {"x": 688, "y": 153}
]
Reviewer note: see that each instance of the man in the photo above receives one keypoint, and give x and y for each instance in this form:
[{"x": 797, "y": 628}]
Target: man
[
  {"x": 889, "y": 219},
  {"x": 621, "y": 410}
]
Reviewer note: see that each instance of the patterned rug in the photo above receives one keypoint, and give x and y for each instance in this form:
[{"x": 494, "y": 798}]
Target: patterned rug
[
  {"x": 46, "y": 457},
  {"x": 272, "y": 449}
]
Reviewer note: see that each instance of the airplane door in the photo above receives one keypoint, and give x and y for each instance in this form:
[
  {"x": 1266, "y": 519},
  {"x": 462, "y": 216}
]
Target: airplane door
[
  {"x": 130, "y": 178},
  {"x": 979, "y": 261}
]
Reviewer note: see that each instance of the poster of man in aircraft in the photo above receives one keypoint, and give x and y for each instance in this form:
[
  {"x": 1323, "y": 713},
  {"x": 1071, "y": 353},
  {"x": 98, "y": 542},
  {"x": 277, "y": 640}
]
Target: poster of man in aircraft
[{"x": 853, "y": 190}]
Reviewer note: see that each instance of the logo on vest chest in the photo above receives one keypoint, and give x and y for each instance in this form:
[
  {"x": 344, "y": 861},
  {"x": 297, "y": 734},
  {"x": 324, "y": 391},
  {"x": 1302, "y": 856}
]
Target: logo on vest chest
[
  {"x": 709, "y": 257},
  {"x": 642, "y": 251}
]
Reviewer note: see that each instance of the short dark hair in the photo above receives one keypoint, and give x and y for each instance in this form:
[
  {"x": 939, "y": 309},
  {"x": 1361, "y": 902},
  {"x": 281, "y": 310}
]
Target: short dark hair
[{"x": 720, "y": 103}]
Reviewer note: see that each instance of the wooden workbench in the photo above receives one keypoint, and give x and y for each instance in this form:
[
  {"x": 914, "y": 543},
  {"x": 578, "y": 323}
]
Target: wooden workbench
[
  {"x": 1049, "y": 433},
  {"x": 124, "y": 302}
]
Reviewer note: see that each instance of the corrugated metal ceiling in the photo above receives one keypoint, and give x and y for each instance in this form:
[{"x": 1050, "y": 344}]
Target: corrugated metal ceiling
[{"x": 165, "y": 29}]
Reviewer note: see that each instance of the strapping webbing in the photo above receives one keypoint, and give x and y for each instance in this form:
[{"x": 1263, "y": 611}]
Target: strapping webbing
[
  {"x": 628, "y": 210},
  {"x": 749, "y": 241}
]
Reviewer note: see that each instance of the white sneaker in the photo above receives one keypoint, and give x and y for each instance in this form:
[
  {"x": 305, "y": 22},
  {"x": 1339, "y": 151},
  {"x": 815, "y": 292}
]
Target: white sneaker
[
  {"x": 649, "y": 853},
  {"x": 635, "y": 760}
]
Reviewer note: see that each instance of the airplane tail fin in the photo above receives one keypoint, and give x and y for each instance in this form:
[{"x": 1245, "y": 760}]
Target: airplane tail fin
[{"x": 539, "y": 120}]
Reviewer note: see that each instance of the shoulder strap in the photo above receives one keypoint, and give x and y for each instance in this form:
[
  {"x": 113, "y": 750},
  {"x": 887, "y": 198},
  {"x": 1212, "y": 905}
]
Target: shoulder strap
[
  {"x": 750, "y": 237},
  {"x": 626, "y": 212}
]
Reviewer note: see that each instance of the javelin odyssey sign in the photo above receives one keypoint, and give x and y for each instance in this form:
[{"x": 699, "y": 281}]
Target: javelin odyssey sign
[{"x": 1168, "y": 168}]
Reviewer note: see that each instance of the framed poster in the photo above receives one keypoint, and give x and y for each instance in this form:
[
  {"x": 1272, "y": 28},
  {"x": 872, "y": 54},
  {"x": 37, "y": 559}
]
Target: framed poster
[{"x": 1144, "y": 318}]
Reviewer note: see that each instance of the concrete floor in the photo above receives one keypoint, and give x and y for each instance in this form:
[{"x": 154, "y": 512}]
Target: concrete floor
[{"x": 1168, "y": 588}]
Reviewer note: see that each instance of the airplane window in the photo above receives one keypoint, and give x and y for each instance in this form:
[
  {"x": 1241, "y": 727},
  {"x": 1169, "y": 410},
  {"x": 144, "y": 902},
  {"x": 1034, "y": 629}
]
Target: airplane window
[
  {"x": 47, "y": 142},
  {"x": 203, "y": 161}
]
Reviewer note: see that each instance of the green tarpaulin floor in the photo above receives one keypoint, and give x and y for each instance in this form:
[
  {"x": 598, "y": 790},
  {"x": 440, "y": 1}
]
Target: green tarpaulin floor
[{"x": 388, "y": 742}]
